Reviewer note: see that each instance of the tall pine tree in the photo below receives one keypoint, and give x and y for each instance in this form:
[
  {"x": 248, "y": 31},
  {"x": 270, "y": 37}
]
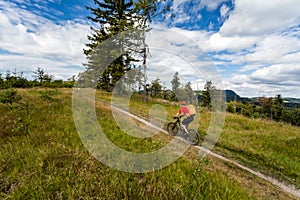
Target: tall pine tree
[
  {"x": 113, "y": 17},
  {"x": 206, "y": 94}
]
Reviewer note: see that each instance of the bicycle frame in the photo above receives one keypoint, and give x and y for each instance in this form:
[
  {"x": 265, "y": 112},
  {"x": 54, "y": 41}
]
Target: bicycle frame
[
  {"x": 178, "y": 121},
  {"x": 174, "y": 127}
]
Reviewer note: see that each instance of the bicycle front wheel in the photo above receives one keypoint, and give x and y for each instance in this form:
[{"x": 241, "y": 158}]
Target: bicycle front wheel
[
  {"x": 193, "y": 137},
  {"x": 172, "y": 128}
]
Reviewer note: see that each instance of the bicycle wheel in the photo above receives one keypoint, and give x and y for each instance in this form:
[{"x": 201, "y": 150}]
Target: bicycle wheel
[
  {"x": 172, "y": 128},
  {"x": 193, "y": 137}
]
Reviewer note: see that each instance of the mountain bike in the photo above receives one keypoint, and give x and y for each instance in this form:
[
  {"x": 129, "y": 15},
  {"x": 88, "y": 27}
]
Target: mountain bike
[{"x": 192, "y": 136}]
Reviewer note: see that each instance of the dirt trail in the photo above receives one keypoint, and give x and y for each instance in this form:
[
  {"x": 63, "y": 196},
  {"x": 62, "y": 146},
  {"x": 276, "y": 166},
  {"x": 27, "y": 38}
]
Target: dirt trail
[{"x": 287, "y": 188}]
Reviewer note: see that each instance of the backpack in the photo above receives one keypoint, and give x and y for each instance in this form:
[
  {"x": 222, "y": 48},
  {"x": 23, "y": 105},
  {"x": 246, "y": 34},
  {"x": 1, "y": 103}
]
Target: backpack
[{"x": 192, "y": 109}]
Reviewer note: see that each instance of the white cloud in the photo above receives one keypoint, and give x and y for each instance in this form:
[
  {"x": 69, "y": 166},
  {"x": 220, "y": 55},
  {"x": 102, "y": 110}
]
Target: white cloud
[
  {"x": 34, "y": 41},
  {"x": 278, "y": 74},
  {"x": 256, "y": 17},
  {"x": 257, "y": 49},
  {"x": 267, "y": 81},
  {"x": 250, "y": 67},
  {"x": 244, "y": 61},
  {"x": 224, "y": 10},
  {"x": 217, "y": 42},
  {"x": 260, "y": 41},
  {"x": 184, "y": 13},
  {"x": 211, "y": 5},
  {"x": 273, "y": 48},
  {"x": 171, "y": 50}
]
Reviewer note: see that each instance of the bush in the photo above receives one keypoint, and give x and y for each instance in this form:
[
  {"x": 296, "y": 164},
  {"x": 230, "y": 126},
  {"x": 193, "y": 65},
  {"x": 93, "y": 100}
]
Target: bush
[
  {"x": 47, "y": 95},
  {"x": 10, "y": 96}
]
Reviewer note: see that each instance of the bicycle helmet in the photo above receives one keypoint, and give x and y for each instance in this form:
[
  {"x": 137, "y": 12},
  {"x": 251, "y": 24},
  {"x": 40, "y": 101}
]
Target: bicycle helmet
[{"x": 182, "y": 103}]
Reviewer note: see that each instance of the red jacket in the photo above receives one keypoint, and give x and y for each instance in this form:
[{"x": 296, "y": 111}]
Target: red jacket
[{"x": 184, "y": 110}]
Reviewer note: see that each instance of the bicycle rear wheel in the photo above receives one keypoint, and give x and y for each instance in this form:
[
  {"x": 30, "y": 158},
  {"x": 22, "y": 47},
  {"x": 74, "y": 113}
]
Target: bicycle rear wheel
[
  {"x": 193, "y": 137},
  {"x": 172, "y": 128}
]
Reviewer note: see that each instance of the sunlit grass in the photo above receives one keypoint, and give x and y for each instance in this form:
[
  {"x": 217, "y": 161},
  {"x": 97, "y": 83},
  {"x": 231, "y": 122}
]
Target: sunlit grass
[
  {"x": 268, "y": 146},
  {"x": 50, "y": 162}
]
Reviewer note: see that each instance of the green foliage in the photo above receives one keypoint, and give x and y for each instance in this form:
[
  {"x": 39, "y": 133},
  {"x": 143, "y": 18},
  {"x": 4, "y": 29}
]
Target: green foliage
[
  {"x": 1, "y": 79},
  {"x": 169, "y": 95},
  {"x": 10, "y": 96},
  {"x": 207, "y": 93},
  {"x": 291, "y": 116},
  {"x": 47, "y": 95},
  {"x": 15, "y": 80},
  {"x": 268, "y": 108},
  {"x": 43, "y": 79},
  {"x": 175, "y": 82},
  {"x": 278, "y": 108},
  {"x": 52, "y": 163},
  {"x": 41, "y": 75},
  {"x": 181, "y": 92},
  {"x": 156, "y": 88},
  {"x": 23, "y": 120},
  {"x": 124, "y": 50},
  {"x": 120, "y": 17},
  {"x": 231, "y": 107},
  {"x": 16, "y": 118}
]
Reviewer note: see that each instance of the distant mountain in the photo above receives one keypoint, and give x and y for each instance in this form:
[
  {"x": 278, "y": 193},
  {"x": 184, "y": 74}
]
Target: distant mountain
[
  {"x": 288, "y": 102},
  {"x": 291, "y": 103},
  {"x": 230, "y": 95},
  {"x": 233, "y": 96}
]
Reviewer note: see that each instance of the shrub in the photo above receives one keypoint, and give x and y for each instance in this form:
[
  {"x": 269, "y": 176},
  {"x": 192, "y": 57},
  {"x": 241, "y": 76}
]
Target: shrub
[{"x": 10, "y": 96}]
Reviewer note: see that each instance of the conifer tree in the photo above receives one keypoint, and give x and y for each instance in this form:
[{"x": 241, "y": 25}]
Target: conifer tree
[
  {"x": 206, "y": 94},
  {"x": 175, "y": 83},
  {"x": 112, "y": 18},
  {"x": 278, "y": 107}
]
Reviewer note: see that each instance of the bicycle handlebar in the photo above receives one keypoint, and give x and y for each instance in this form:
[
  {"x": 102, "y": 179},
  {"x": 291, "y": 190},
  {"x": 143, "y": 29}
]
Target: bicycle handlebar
[{"x": 178, "y": 117}]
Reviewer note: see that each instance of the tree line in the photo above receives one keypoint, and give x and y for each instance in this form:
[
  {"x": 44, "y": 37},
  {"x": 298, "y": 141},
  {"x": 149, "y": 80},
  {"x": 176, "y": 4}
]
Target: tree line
[
  {"x": 16, "y": 79},
  {"x": 124, "y": 60},
  {"x": 177, "y": 92},
  {"x": 266, "y": 108}
]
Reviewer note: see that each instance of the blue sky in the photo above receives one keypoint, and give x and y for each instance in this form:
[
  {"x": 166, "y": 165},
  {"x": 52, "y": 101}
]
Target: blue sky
[{"x": 254, "y": 44}]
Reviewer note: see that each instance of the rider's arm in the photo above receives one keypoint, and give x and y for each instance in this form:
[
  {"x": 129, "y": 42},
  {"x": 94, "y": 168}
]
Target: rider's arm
[{"x": 178, "y": 113}]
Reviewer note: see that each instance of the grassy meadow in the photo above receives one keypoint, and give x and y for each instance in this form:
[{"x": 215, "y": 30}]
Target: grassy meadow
[{"x": 42, "y": 156}]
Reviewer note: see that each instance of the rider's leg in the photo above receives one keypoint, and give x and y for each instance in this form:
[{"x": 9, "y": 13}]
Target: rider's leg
[
  {"x": 184, "y": 128},
  {"x": 185, "y": 124}
]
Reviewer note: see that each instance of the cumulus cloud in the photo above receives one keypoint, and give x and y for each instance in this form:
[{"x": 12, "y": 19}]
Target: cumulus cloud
[
  {"x": 263, "y": 62},
  {"x": 256, "y": 17},
  {"x": 172, "y": 51},
  {"x": 217, "y": 42},
  {"x": 32, "y": 41},
  {"x": 256, "y": 49},
  {"x": 259, "y": 48},
  {"x": 278, "y": 75},
  {"x": 267, "y": 81},
  {"x": 187, "y": 11}
]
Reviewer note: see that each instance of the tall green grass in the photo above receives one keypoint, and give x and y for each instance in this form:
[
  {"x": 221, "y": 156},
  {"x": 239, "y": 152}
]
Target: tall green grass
[
  {"x": 50, "y": 162},
  {"x": 268, "y": 146}
]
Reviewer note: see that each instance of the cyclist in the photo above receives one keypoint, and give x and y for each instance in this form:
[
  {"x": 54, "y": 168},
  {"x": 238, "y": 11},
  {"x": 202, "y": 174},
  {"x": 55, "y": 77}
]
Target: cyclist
[{"x": 188, "y": 118}]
